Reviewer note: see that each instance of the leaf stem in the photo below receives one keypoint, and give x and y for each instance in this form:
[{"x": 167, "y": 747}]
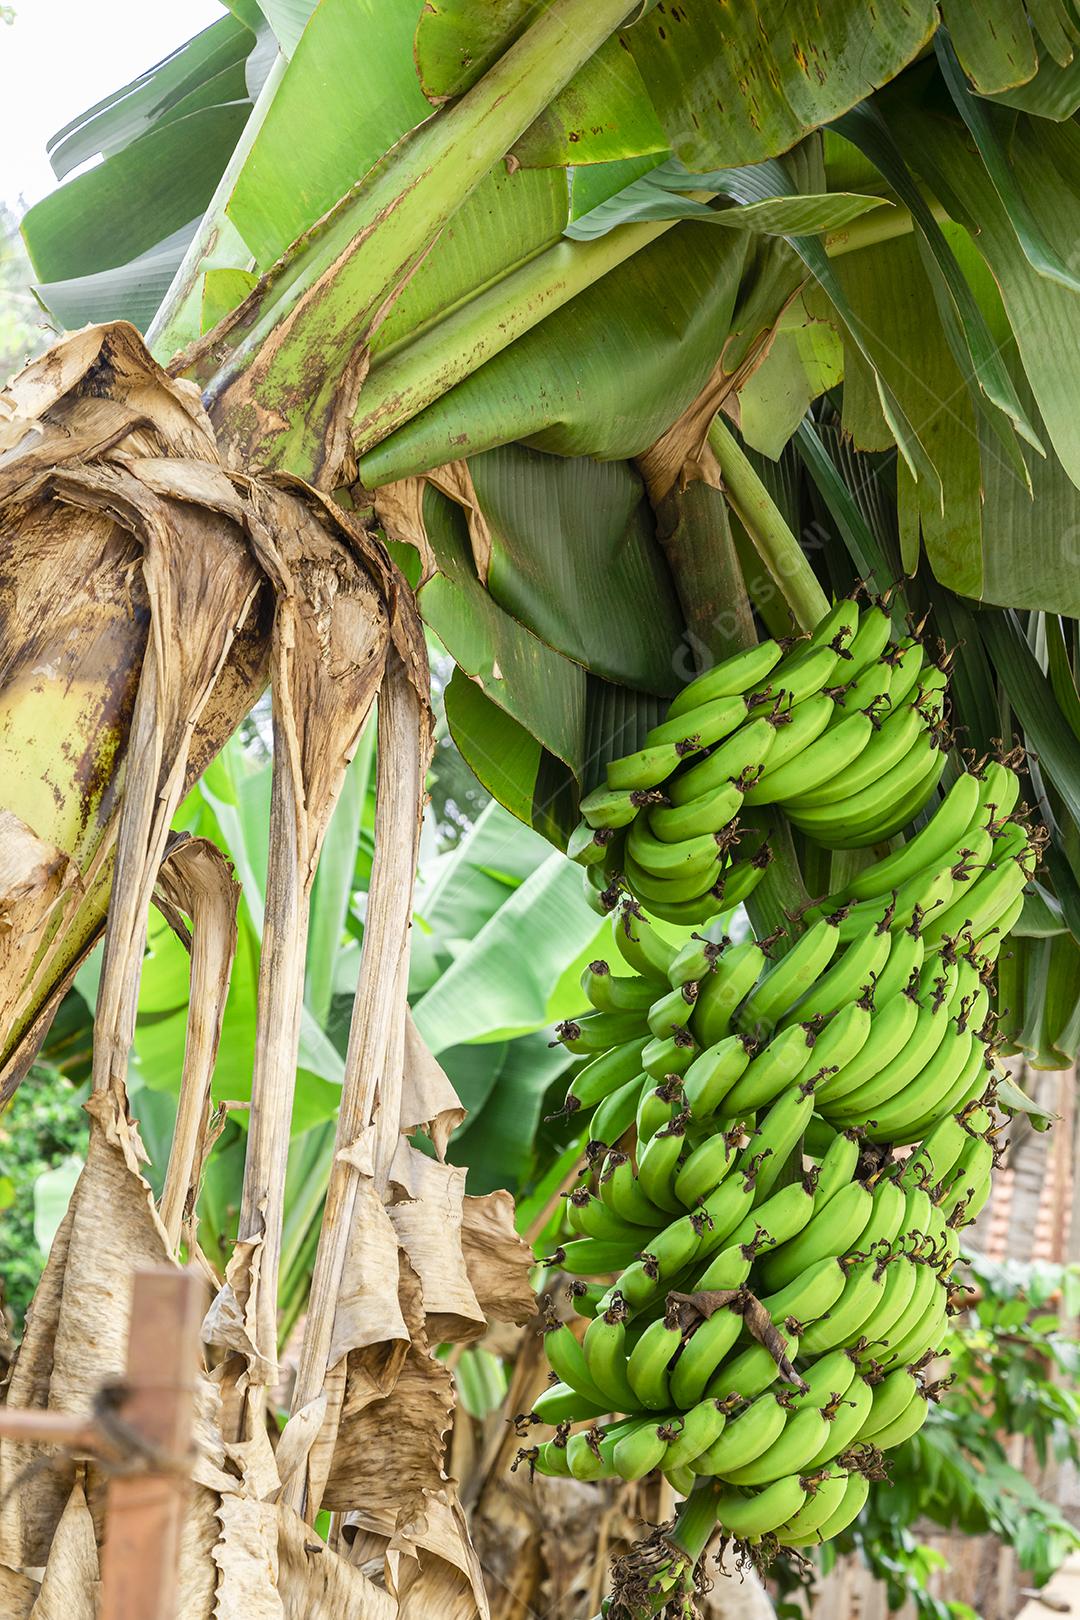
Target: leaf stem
[{"x": 778, "y": 548}]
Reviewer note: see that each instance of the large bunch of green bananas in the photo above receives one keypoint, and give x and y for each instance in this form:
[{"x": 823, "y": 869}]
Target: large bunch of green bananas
[
  {"x": 770, "y": 1265},
  {"x": 844, "y": 731}
]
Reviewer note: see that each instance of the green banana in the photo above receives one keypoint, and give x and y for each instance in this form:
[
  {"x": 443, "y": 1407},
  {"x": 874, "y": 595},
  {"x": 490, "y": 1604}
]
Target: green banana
[
  {"x": 753, "y": 1370},
  {"x": 880, "y": 810},
  {"x": 893, "y": 1118},
  {"x": 736, "y": 973},
  {"x": 751, "y": 1517},
  {"x": 809, "y": 1295},
  {"x": 869, "y": 690},
  {"x": 777, "y": 1219},
  {"x": 834, "y": 751},
  {"x": 855, "y": 1493},
  {"x": 610, "y": 994},
  {"x": 890, "y": 743},
  {"x": 797, "y": 730},
  {"x": 900, "y": 1281},
  {"x": 681, "y": 1479},
  {"x": 618, "y": 1187},
  {"x": 605, "y": 1074},
  {"x": 588, "y": 845},
  {"x": 849, "y": 1415},
  {"x": 697, "y": 958},
  {"x": 983, "y": 902},
  {"x": 751, "y": 745},
  {"x": 639, "y": 1452},
  {"x": 890, "y": 1032},
  {"x": 701, "y": 1427},
  {"x": 589, "y": 1452},
  {"x": 850, "y": 976},
  {"x": 831, "y": 1231},
  {"x": 802, "y": 673},
  {"x": 641, "y": 945},
  {"x": 672, "y": 1011},
  {"x": 692, "y": 857},
  {"x": 604, "y": 1349},
  {"x": 674, "y": 1247},
  {"x": 890, "y": 1398},
  {"x": 706, "y": 1167},
  {"x": 970, "y": 1083},
  {"x": 924, "y": 1337},
  {"x": 592, "y": 1257},
  {"x": 885, "y": 1218},
  {"x": 727, "y": 1270},
  {"x": 939, "y": 1151},
  {"x": 724, "y": 1210},
  {"x": 780, "y": 986},
  {"x": 713, "y": 1073},
  {"x": 658, "y": 1106},
  {"x": 824, "y": 1494},
  {"x": 647, "y": 1366},
  {"x": 908, "y": 659},
  {"x": 932, "y": 1025},
  {"x": 775, "y": 1139},
  {"x": 606, "y": 809},
  {"x": 825, "y": 1378},
  {"x": 900, "y": 908},
  {"x": 974, "y": 1166},
  {"x": 550, "y": 1458},
  {"x": 664, "y": 1056},
  {"x": 700, "y": 727},
  {"x": 691, "y": 886},
  {"x": 598, "y": 1032},
  {"x": 922, "y": 1294},
  {"x": 585, "y": 1297},
  {"x": 617, "y": 1112},
  {"x": 999, "y": 792},
  {"x": 735, "y": 884},
  {"x": 870, "y": 639},
  {"x": 803, "y": 1435},
  {"x": 739, "y": 673},
  {"x": 922, "y": 1334},
  {"x": 954, "y": 816},
  {"x": 843, "y": 1037},
  {"x": 845, "y": 1322},
  {"x": 745, "y": 1436},
  {"x": 561, "y": 1403},
  {"x": 657, "y": 1165},
  {"x": 837, "y": 1167},
  {"x": 702, "y": 1353},
  {"x": 903, "y": 1426},
  {"x": 838, "y": 627},
  {"x": 710, "y": 813},
  {"x": 907, "y": 953},
  {"x": 648, "y": 767},
  {"x": 589, "y": 1216},
  {"x": 785, "y": 1057},
  {"x": 567, "y": 1359}
]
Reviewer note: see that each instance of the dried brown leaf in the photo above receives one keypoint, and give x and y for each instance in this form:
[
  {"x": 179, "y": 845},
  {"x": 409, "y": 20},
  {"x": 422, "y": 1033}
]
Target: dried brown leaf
[
  {"x": 372, "y": 1088},
  {"x": 427, "y": 1218},
  {"x": 428, "y": 1100},
  {"x": 328, "y": 655},
  {"x": 496, "y": 1258},
  {"x": 196, "y": 879},
  {"x": 110, "y": 583},
  {"x": 17, "y": 1594},
  {"x": 70, "y": 1581}
]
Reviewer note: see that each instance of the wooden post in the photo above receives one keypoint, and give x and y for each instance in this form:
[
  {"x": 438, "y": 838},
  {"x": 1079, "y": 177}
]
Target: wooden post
[{"x": 145, "y": 1509}]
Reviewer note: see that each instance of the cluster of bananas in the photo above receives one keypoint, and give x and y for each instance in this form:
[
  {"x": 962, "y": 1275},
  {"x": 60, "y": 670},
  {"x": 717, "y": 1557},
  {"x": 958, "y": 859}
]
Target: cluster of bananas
[
  {"x": 844, "y": 731},
  {"x": 783, "y": 1262}
]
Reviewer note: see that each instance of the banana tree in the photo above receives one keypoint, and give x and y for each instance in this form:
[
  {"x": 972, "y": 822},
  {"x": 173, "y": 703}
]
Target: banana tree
[{"x": 629, "y": 331}]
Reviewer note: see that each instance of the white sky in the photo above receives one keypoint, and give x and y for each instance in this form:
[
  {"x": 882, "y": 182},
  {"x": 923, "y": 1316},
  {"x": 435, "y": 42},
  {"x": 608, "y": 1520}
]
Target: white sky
[{"x": 60, "y": 56}]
